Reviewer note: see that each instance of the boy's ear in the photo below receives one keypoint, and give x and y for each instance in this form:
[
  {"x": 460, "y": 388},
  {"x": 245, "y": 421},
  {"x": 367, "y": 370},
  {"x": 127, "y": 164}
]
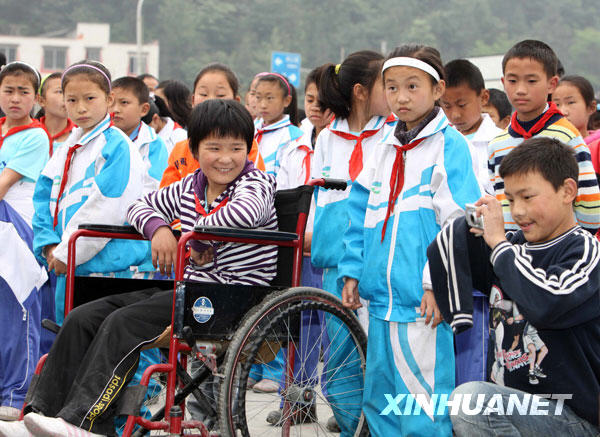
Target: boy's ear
[
  {"x": 484, "y": 96},
  {"x": 569, "y": 188},
  {"x": 237, "y": 98},
  {"x": 439, "y": 89},
  {"x": 145, "y": 108},
  {"x": 505, "y": 122},
  {"x": 552, "y": 84}
]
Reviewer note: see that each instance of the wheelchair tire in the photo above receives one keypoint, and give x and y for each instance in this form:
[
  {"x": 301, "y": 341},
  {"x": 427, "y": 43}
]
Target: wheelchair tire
[{"x": 273, "y": 324}]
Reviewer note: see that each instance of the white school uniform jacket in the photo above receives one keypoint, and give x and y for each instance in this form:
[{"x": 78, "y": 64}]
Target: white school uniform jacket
[
  {"x": 154, "y": 154},
  {"x": 171, "y": 134},
  {"x": 274, "y": 139},
  {"x": 296, "y": 160},
  {"x": 438, "y": 181},
  {"x": 104, "y": 179},
  {"x": 487, "y": 132},
  {"x": 331, "y": 160}
]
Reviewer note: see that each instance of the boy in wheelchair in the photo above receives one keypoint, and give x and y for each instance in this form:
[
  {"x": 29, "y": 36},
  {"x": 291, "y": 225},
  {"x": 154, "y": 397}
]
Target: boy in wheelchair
[{"x": 97, "y": 350}]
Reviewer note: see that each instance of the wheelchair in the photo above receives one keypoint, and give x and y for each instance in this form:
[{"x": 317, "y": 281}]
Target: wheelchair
[{"x": 229, "y": 328}]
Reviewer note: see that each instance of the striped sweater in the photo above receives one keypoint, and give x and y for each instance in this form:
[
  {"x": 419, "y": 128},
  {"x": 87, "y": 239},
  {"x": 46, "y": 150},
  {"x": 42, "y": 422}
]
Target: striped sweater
[
  {"x": 587, "y": 203},
  {"x": 247, "y": 202}
]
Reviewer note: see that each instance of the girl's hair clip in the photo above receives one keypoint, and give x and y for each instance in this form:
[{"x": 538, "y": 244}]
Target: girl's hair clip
[{"x": 337, "y": 68}]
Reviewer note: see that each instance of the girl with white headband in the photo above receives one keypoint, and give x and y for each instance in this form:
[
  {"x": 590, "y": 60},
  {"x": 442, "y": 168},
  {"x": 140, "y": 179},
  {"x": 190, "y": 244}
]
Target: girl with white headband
[
  {"x": 418, "y": 178},
  {"x": 91, "y": 178}
]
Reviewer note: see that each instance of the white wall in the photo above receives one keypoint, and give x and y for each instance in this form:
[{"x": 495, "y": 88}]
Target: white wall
[{"x": 114, "y": 56}]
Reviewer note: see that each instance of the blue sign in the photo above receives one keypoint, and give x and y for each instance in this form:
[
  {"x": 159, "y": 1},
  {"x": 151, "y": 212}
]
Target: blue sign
[
  {"x": 203, "y": 309},
  {"x": 288, "y": 65}
]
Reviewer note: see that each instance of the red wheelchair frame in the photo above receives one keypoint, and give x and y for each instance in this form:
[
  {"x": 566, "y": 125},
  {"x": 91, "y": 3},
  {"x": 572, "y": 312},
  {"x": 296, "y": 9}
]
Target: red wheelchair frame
[{"x": 174, "y": 424}]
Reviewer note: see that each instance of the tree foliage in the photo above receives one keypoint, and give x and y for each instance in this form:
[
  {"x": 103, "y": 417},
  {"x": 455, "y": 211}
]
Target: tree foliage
[{"x": 243, "y": 33}]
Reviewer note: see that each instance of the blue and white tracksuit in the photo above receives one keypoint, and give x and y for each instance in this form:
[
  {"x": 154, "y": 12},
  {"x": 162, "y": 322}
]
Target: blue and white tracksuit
[
  {"x": 105, "y": 177},
  {"x": 154, "y": 154},
  {"x": 331, "y": 160},
  {"x": 404, "y": 355},
  {"x": 274, "y": 140},
  {"x": 23, "y": 283}
]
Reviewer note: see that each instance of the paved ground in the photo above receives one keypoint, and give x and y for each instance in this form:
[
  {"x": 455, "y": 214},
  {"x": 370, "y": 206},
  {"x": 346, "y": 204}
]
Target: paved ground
[{"x": 260, "y": 404}]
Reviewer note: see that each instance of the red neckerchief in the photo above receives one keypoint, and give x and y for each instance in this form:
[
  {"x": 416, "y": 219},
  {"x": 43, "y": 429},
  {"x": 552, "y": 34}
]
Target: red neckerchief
[
  {"x": 176, "y": 125},
  {"x": 65, "y": 176},
  {"x": 13, "y": 130},
  {"x": 356, "y": 159},
  {"x": 397, "y": 179},
  {"x": 259, "y": 132},
  {"x": 200, "y": 209},
  {"x": 538, "y": 126},
  {"x": 306, "y": 161},
  {"x": 68, "y": 128}
]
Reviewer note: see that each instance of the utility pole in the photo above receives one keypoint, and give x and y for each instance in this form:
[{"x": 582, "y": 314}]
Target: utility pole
[{"x": 138, "y": 34}]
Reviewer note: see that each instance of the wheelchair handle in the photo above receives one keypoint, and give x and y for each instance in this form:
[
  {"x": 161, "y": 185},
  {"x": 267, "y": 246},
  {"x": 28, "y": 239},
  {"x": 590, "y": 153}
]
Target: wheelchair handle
[{"x": 329, "y": 184}]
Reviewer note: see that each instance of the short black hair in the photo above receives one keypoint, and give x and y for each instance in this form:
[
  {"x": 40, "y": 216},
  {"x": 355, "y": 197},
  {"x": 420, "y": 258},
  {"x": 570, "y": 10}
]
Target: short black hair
[
  {"x": 536, "y": 50},
  {"x": 136, "y": 86},
  {"x": 462, "y": 71},
  {"x": 554, "y": 160},
  {"x": 220, "y": 118},
  {"x": 499, "y": 100},
  {"x": 2, "y": 59}
]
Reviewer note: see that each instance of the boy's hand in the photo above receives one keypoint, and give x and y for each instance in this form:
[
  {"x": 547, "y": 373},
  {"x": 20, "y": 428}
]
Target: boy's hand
[
  {"x": 201, "y": 258},
  {"x": 429, "y": 307},
  {"x": 493, "y": 220},
  {"x": 164, "y": 249},
  {"x": 350, "y": 297},
  {"x": 60, "y": 268},
  {"x": 47, "y": 252}
]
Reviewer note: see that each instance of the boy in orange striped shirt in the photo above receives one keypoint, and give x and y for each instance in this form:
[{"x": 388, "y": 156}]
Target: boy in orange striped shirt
[{"x": 530, "y": 76}]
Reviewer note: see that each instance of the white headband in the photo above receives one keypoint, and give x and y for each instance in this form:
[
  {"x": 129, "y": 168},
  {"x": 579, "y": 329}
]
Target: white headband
[
  {"x": 411, "y": 62},
  {"x": 37, "y": 73}
]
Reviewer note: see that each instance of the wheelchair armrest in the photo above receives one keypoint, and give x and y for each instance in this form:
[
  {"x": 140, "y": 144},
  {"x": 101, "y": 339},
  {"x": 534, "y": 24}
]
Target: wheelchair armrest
[
  {"x": 259, "y": 234},
  {"x": 115, "y": 229},
  {"x": 50, "y": 326}
]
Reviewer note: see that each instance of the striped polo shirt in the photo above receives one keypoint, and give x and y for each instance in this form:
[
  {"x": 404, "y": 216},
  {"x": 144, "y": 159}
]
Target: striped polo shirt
[{"x": 247, "y": 202}]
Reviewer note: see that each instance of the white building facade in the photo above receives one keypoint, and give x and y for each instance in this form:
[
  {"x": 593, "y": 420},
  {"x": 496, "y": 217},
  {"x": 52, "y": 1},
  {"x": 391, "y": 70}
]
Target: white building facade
[{"x": 89, "y": 41}]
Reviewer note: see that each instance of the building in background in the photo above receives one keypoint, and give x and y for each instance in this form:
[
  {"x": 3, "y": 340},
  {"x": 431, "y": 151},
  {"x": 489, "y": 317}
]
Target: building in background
[{"x": 88, "y": 41}]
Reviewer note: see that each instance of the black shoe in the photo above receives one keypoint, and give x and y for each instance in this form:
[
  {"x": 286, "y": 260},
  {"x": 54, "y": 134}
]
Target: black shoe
[
  {"x": 532, "y": 378},
  {"x": 301, "y": 414},
  {"x": 332, "y": 425},
  {"x": 537, "y": 370}
]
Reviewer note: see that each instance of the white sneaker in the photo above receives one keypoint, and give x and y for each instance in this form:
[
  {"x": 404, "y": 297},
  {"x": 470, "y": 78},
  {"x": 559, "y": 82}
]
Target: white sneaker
[
  {"x": 14, "y": 429},
  {"x": 42, "y": 426},
  {"x": 9, "y": 413}
]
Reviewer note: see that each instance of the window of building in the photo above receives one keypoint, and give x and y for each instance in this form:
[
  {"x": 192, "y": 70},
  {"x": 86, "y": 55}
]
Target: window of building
[
  {"x": 55, "y": 58},
  {"x": 10, "y": 51},
  {"x": 133, "y": 61},
  {"x": 92, "y": 53}
]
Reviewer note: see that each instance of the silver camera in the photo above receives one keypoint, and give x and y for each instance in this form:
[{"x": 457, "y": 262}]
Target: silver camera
[{"x": 471, "y": 216}]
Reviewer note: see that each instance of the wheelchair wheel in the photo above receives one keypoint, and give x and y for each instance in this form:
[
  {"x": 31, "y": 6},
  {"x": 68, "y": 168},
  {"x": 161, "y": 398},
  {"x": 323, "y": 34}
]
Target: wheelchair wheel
[{"x": 325, "y": 379}]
